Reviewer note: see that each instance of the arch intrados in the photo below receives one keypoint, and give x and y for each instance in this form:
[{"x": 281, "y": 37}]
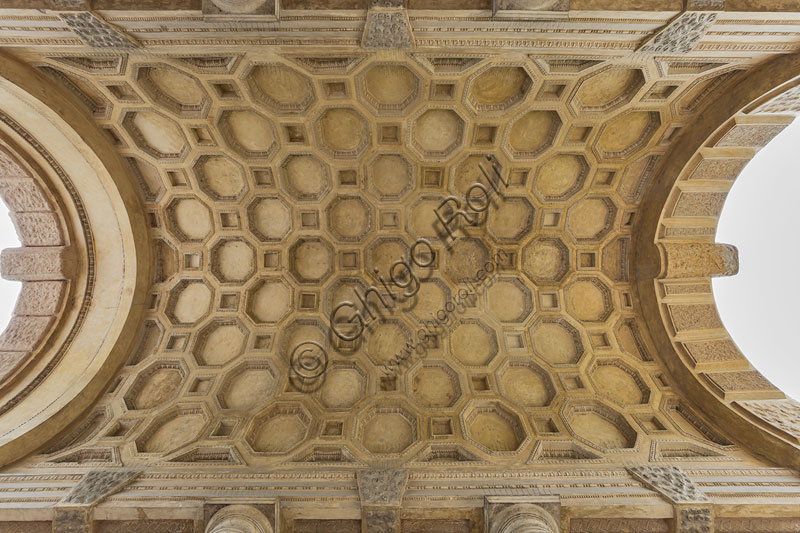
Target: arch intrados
[
  {"x": 675, "y": 256},
  {"x": 90, "y": 187}
]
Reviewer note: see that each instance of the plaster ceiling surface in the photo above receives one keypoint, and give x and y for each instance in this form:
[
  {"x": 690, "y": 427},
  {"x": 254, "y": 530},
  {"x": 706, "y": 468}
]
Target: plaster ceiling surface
[{"x": 278, "y": 185}]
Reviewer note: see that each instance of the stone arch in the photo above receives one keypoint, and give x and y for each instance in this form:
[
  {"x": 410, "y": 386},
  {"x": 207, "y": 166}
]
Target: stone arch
[
  {"x": 74, "y": 208},
  {"x": 675, "y": 257},
  {"x": 44, "y": 263}
]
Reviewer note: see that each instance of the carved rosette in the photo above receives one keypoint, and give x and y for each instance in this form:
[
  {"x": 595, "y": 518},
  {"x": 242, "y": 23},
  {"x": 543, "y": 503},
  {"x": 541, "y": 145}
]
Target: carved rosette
[{"x": 387, "y": 29}]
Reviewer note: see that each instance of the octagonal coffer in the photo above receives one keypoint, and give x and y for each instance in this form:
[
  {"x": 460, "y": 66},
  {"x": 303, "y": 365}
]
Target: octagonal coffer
[
  {"x": 269, "y": 300},
  {"x": 387, "y": 429},
  {"x": 305, "y": 177},
  {"x": 390, "y": 177},
  {"x": 174, "y": 90},
  {"x": 386, "y": 339},
  {"x": 619, "y": 382},
  {"x": 269, "y": 218},
  {"x": 248, "y": 385},
  {"x": 189, "y": 219},
  {"x": 599, "y": 426},
  {"x": 560, "y": 177},
  {"x": 344, "y": 385},
  {"x": 607, "y": 90},
  {"x": 189, "y": 301},
  {"x": 469, "y": 171},
  {"x": 532, "y": 134},
  {"x": 473, "y": 343},
  {"x": 494, "y": 427},
  {"x": 524, "y": 383},
  {"x": 311, "y": 260},
  {"x": 510, "y": 219},
  {"x": 349, "y": 218},
  {"x": 155, "y": 385},
  {"x": 220, "y": 177},
  {"x": 546, "y": 259},
  {"x": 466, "y": 260},
  {"x": 382, "y": 253},
  {"x": 233, "y": 260},
  {"x": 432, "y": 297},
  {"x": 156, "y": 134},
  {"x": 498, "y": 88},
  {"x": 588, "y": 299},
  {"x": 434, "y": 385},
  {"x": 220, "y": 342},
  {"x": 436, "y": 133},
  {"x": 626, "y": 134},
  {"x": 342, "y": 132},
  {"x": 300, "y": 330},
  {"x": 591, "y": 218},
  {"x": 388, "y": 88},
  {"x": 249, "y": 133},
  {"x": 280, "y": 88},
  {"x": 278, "y": 429},
  {"x": 175, "y": 428},
  {"x": 556, "y": 341},
  {"x": 509, "y": 300}
]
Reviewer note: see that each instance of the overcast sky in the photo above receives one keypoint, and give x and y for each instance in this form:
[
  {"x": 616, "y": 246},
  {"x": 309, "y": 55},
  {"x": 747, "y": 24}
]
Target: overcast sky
[
  {"x": 760, "y": 306},
  {"x": 8, "y": 289}
]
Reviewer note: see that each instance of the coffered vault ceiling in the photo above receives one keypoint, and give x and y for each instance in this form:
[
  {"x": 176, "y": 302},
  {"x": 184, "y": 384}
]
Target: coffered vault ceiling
[{"x": 275, "y": 184}]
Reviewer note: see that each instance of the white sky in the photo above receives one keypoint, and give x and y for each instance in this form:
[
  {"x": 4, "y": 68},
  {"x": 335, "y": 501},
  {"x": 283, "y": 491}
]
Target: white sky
[
  {"x": 759, "y": 306},
  {"x": 9, "y": 290}
]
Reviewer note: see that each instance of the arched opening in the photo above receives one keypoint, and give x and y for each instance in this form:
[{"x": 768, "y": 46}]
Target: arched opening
[
  {"x": 9, "y": 289},
  {"x": 71, "y": 196},
  {"x": 758, "y": 305},
  {"x": 678, "y": 251}
]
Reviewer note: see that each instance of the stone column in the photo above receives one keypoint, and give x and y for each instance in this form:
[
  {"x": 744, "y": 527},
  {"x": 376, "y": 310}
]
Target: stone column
[
  {"x": 523, "y": 518},
  {"x": 238, "y": 519}
]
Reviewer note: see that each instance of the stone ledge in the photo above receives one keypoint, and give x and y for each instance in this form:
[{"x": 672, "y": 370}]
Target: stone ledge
[{"x": 33, "y": 263}]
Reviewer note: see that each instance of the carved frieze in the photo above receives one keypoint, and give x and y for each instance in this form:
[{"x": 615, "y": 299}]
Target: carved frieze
[{"x": 532, "y": 5}]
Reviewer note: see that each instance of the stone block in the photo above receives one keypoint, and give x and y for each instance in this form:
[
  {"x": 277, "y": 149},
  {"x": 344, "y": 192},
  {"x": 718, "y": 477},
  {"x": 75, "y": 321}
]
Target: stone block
[
  {"x": 38, "y": 229},
  {"x": 36, "y": 263},
  {"x": 24, "y": 333},
  {"x": 23, "y": 195},
  {"x": 40, "y": 298}
]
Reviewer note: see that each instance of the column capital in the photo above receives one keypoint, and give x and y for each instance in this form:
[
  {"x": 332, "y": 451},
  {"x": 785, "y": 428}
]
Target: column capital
[{"x": 238, "y": 519}]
